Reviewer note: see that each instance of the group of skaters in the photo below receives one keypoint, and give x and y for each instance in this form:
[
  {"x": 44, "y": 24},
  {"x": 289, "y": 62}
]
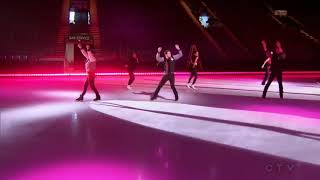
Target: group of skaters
[
  {"x": 193, "y": 65},
  {"x": 273, "y": 67}
]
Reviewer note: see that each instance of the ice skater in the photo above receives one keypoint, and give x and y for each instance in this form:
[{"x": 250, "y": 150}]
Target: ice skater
[
  {"x": 267, "y": 63},
  {"x": 169, "y": 61},
  {"x": 193, "y": 65},
  {"x": 90, "y": 66},
  {"x": 131, "y": 67},
  {"x": 277, "y": 63}
]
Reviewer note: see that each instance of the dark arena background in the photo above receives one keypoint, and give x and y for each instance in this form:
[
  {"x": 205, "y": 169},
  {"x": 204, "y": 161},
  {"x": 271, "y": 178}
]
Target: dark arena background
[{"x": 226, "y": 123}]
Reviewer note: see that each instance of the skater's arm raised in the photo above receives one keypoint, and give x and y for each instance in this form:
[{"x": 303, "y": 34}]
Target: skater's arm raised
[
  {"x": 265, "y": 62},
  {"x": 83, "y": 51},
  {"x": 180, "y": 54},
  {"x": 158, "y": 57},
  {"x": 196, "y": 61},
  {"x": 91, "y": 56}
]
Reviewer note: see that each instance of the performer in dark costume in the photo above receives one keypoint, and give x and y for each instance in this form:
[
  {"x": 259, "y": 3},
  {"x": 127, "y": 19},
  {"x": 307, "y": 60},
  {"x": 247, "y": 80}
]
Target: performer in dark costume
[
  {"x": 90, "y": 66},
  {"x": 131, "y": 66},
  {"x": 193, "y": 64},
  {"x": 267, "y": 63},
  {"x": 169, "y": 61},
  {"x": 277, "y": 63}
]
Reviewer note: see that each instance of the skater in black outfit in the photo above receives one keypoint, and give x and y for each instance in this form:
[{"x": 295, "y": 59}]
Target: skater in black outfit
[
  {"x": 193, "y": 64},
  {"x": 267, "y": 63},
  {"x": 277, "y": 63},
  {"x": 131, "y": 66},
  {"x": 90, "y": 66},
  {"x": 169, "y": 61}
]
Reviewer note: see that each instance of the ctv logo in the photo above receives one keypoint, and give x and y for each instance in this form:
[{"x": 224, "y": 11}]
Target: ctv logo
[{"x": 281, "y": 167}]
